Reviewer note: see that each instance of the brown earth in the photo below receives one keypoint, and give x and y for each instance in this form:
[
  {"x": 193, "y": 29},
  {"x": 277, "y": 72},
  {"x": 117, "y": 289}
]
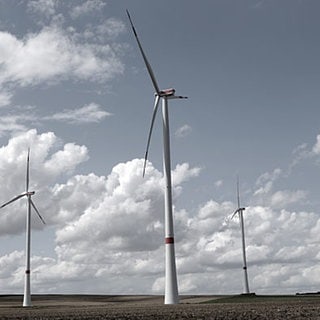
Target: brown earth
[{"x": 98, "y": 307}]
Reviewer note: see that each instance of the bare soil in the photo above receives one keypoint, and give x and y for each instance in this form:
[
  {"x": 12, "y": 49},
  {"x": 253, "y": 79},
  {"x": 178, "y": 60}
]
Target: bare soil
[{"x": 98, "y": 307}]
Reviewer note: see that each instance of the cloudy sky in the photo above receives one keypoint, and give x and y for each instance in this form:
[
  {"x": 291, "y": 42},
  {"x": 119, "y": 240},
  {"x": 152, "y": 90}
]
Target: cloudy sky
[{"x": 73, "y": 88}]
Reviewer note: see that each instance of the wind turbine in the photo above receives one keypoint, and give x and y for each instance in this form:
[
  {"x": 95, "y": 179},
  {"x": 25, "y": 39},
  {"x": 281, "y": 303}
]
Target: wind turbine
[
  {"x": 171, "y": 286},
  {"x": 28, "y": 194},
  {"x": 240, "y": 211}
]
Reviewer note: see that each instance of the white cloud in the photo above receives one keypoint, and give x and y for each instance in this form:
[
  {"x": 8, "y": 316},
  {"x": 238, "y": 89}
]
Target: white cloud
[
  {"x": 265, "y": 181},
  {"x": 13, "y": 123},
  {"x": 128, "y": 200},
  {"x": 303, "y": 152},
  {"x": 316, "y": 147},
  {"x": 22, "y": 118},
  {"x": 5, "y": 98},
  {"x": 218, "y": 183},
  {"x": 208, "y": 251},
  {"x": 183, "y": 172},
  {"x": 111, "y": 28},
  {"x": 86, "y": 8},
  {"x": 65, "y": 160},
  {"x": 7, "y": 261},
  {"x": 73, "y": 198},
  {"x": 183, "y": 131},
  {"x": 91, "y": 113},
  {"x": 53, "y": 55},
  {"x": 284, "y": 197},
  {"x": 273, "y": 241},
  {"x": 109, "y": 230},
  {"x": 44, "y": 170},
  {"x": 122, "y": 213},
  {"x": 106, "y": 31},
  {"x": 43, "y": 7}
]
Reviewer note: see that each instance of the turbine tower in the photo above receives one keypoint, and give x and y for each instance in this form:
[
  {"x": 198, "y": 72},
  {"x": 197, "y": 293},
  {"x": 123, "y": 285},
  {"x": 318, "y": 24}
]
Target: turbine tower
[
  {"x": 30, "y": 203},
  {"x": 171, "y": 286},
  {"x": 240, "y": 211}
]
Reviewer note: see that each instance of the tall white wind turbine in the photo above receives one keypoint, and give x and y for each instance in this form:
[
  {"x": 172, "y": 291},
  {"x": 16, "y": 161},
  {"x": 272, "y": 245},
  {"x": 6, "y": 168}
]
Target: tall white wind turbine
[
  {"x": 171, "y": 286},
  {"x": 30, "y": 203},
  {"x": 240, "y": 212}
]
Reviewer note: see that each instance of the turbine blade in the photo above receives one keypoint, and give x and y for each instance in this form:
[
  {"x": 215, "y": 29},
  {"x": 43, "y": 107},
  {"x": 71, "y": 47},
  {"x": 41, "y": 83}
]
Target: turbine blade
[
  {"x": 153, "y": 78},
  {"x": 238, "y": 193},
  {"x": 27, "y": 177},
  {"x": 37, "y": 211},
  {"x": 155, "y": 109},
  {"x": 14, "y": 199},
  {"x": 234, "y": 213}
]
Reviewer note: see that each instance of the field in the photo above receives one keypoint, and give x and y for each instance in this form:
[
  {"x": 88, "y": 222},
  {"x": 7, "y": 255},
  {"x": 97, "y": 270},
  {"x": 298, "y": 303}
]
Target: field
[{"x": 98, "y": 307}]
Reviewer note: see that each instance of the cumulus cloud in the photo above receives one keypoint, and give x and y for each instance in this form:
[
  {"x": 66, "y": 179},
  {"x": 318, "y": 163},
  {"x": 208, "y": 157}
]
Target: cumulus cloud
[
  {"x": 209, "y": 258},
  {"x": 125, "y": 223},
  {"x": 128, "y": 200},
  {"x": 12, "y": 270},
  {"x": 122, "y": 213},
  {"x": 44, "y": 169},
  {"x": 183, "y": 172},
  {"x": 273, "y": 242},
  {"x": 52, "y": 54},
  {"x": 7, "y": 261},
  {"x": 284, "y": 197},
  {"x": 109, "y": 229}
]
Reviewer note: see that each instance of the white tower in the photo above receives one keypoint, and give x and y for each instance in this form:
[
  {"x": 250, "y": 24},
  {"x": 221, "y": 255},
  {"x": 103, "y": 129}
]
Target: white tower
[
  {"x": 28, "y": 194},
  {"x": 171, "y": 286},
  {"x": 240, "y": 211}
]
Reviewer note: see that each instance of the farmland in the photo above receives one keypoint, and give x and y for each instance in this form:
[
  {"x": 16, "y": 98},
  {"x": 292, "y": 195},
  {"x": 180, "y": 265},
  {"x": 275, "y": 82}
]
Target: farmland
[{"x": 136, "y": 307}]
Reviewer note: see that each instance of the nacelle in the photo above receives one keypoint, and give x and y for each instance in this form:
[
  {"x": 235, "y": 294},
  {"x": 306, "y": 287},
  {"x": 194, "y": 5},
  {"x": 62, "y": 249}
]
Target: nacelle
[{"x": 167, "y": 92}]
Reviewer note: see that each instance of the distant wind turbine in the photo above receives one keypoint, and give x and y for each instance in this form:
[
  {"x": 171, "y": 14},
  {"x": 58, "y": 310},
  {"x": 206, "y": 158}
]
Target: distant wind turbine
[
  {"x": 171, "y": 286},
  {"x": 28, "y": 194},
  {"x": 240, "y": 211}
]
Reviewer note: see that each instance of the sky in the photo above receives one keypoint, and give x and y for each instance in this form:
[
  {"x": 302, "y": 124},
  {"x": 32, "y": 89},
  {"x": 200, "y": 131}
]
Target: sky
[{"x": 74, "y": 88}]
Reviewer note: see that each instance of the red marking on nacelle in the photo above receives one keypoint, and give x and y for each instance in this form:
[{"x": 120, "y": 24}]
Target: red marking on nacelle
[{"x": 167, "y": 92}]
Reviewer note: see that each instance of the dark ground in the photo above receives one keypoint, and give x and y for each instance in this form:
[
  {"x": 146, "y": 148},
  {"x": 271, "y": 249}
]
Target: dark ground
[{"x": 98, "y": 307}]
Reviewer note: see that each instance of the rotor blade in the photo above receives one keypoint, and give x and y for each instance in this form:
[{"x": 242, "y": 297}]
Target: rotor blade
[
  {"x": 153, "y": 78},
  {"x": 27, "y": 177},
  {"x": 234, "y": 213},
  {"x": 36, "y": 210},
  {"x": 14, "y": 199},
  {"x": 177, "y": 97},
  {"x": 155, "y": 109},
  {"x": 238, "y": 193}
]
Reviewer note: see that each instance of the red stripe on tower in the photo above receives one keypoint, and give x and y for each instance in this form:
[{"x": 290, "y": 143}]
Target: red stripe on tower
[{"x": 169, "y": 240}]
